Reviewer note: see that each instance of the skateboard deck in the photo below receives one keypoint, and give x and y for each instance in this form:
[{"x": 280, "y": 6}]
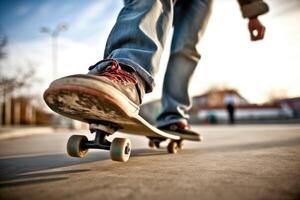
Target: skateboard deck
[{"x": 82, "y": 98}]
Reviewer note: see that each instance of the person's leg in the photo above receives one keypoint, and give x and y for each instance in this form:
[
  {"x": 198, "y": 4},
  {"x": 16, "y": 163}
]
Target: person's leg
[
  {"x": 116, "y": 85},
  {"x": 232, "y": 115},
  {"x": 230, "y": 108},
  {"x": 139, "y": 35},
  {"x": 190, "y": 18}
]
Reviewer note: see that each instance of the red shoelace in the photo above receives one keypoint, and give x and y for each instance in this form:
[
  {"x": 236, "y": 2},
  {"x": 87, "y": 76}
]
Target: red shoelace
[
  {"x": 116, "y": 73},
  {"x": 179, "y": 125}
]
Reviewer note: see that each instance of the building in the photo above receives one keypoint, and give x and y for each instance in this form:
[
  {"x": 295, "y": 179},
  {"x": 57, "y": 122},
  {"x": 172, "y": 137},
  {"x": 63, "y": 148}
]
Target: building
[
  {"x": 293, "y": 104},
  {"x": 20, "y": 110},
  {"x": 210, "y": 108}
]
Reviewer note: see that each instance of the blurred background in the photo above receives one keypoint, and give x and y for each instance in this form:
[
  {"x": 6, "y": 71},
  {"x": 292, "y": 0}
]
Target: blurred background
[{"x": 44, "y": 40}]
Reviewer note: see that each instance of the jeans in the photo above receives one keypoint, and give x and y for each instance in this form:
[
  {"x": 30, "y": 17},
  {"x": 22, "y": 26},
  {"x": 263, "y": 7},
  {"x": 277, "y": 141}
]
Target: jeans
[{"x": 138, "y": 39}]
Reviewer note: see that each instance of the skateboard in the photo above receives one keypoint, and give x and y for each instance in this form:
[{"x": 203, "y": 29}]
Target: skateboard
[{"x": 76, "y": 98}]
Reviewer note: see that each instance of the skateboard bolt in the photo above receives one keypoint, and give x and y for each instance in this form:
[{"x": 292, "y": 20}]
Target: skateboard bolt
[{"x": 127, "y": 150}]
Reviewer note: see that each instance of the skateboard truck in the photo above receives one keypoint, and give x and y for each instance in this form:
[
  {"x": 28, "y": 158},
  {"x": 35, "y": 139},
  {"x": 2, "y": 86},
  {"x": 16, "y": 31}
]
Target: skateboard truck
[
  {"x": 106, "y": 129},
  {"x": 100, "y": 141},
  {"x": 120, "y": 148},
  {"x": 101, "y": 132},
  {"x": 85, "y": 98}
]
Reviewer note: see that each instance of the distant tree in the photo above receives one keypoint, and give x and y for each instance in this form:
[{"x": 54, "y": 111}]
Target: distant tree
[
  {"x": 20, "y": 80},
  {"x": 22, "y": 77},
  {"x": 3, "y": 42},
  {"x": 221, "y": 88},
  {"x": 16, "y": 79}
]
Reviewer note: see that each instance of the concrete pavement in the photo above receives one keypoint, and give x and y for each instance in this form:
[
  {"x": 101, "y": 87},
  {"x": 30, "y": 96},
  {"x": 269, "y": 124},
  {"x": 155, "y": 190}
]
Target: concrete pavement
[
  {"x": 239, "y": 162},
  {"x": 10, "y": 132}
]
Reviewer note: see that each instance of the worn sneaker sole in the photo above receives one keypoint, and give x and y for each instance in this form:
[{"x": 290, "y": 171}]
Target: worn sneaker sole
[{"x": 84, "y": 98}]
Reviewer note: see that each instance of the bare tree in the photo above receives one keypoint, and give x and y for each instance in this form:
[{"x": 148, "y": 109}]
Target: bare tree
[
  {"x": 3, "y": 42},
  {"x": 22, "y": 77},
  {"x": 14, "y": 78},
  {"x": 13, "y": 84}
]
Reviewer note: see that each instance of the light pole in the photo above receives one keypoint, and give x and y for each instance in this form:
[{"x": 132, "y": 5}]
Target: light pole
[{"x": 54, "y": 35}]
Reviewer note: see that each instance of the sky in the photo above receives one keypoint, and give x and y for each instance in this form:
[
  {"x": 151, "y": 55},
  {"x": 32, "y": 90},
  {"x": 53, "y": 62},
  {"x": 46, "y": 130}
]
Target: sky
[{"x": 228, "y": 56}]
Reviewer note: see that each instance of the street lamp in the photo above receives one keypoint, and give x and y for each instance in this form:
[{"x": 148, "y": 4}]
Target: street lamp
[{"x": 54, "y": 35}]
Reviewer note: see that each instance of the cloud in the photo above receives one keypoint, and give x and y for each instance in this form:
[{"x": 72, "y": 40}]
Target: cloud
[
  {"x": 89, "y": 14},
  {"x": 99, "y": 11},
  {"x": 23, "y": 9}
]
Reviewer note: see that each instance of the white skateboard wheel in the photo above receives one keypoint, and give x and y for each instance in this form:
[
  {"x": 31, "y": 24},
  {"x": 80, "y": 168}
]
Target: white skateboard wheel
[
  {"x": 75, "y": 146},
  {"x": 120, "y": 149},
  {"x": 180, "y": 144},
  {"x": 172, "y": 147},
  {"x": 153, "y": 144}
]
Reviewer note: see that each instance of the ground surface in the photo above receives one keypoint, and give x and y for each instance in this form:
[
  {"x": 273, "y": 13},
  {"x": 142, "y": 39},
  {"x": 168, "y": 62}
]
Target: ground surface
[{"x": 240, "y": 162}]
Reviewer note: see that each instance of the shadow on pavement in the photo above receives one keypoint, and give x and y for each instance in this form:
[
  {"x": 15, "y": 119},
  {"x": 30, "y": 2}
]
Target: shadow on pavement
[
  {"x": 54, "y": 173},
  {"x": 36, "y": 178},
  {"x": 148, "y": 152},
  {"x": 18, "y": 171},
  {"x": 30, "y": 182},
  {"x": 13, "y": 168}
]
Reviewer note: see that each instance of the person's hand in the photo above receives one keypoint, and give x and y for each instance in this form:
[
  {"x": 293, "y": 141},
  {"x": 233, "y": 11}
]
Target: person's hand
[{"x": 256, "y": 29}]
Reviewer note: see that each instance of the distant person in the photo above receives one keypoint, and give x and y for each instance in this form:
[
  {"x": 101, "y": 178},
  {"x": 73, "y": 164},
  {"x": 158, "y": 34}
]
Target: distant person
[
  {"x": 229, "y": 101},
  {"x": 135, "y": 45}
]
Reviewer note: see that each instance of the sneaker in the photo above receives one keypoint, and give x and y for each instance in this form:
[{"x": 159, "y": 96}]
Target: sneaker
[
  {"x": 182, "y": 129},
  {"x": 108, "y": 95}
]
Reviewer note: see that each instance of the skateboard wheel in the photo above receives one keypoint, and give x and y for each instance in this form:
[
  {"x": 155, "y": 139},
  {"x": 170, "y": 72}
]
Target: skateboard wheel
[
  {"x": 154, "y": 144},
  {"x": 180, "y": 144},
  {"x": 151, "y": 144},
  {"x": 172, "y": 147},
  {"x": 120, "y": 149},
  {"x": 75, "y": 146},
  {"x": 157, "y": 144}
]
